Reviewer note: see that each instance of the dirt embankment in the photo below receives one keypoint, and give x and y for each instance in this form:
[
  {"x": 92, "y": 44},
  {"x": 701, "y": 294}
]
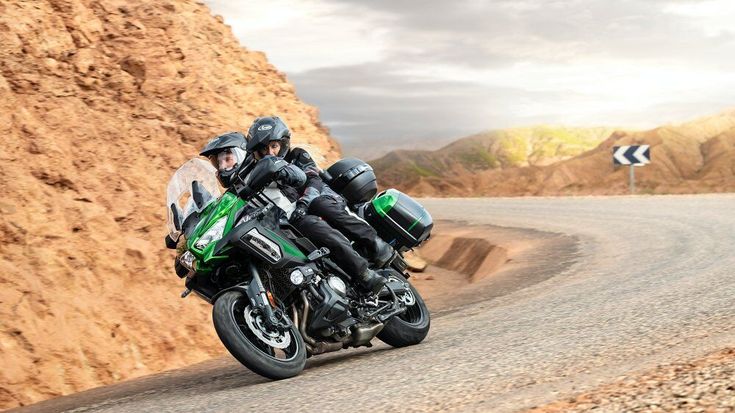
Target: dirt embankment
[
  {"x": 457, "y": 258},
  {"x": 474, "y": 257},
  {"x": 100, "y": 100},
  {"x": 469, "y": 263}
]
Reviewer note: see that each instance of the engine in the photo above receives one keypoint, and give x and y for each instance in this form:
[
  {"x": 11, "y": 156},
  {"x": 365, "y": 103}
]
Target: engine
[{"x": 332, "y": 312}]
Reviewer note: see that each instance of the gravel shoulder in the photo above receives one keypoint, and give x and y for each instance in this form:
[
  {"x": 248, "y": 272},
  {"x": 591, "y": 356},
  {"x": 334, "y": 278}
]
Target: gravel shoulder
[{"x": 705, "y": 384}]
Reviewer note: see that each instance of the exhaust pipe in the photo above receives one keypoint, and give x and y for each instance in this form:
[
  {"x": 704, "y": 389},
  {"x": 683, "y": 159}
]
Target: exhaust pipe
[
  {"x": 361, "y": 336},
  {"x": 315, "y": 347}
]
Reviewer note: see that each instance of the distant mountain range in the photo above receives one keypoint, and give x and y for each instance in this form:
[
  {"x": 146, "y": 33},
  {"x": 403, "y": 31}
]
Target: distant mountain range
[
  {"x": 539, "y": 145},
  {"x": 370, "y": 149},
  {"x": 697, "y": 156}
]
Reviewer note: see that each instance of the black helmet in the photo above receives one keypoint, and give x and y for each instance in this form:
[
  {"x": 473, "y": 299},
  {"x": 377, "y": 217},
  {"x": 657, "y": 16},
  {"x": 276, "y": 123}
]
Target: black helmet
[
  {"x": 268, "y": 129},
  {"x": 227, "y": 154}
]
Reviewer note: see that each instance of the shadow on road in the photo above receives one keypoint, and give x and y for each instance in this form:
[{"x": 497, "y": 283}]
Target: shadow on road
[{"x": 214, "y": 375}]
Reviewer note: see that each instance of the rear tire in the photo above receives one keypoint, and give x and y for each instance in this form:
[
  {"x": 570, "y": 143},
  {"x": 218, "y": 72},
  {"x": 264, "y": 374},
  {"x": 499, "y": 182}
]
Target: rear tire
[
  {"x": 229, "y": 314},
  {"x": 410, "y": 327}
]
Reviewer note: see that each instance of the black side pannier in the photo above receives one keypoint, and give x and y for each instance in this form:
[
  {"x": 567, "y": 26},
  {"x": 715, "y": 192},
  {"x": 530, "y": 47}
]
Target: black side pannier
[
  {"x": 399, "y": 220},
  {"x": 353, "y": 179}
]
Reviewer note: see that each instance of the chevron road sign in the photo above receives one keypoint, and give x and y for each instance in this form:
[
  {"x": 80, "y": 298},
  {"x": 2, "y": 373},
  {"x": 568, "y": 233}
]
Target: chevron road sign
[{"x": 632, "y": 155}]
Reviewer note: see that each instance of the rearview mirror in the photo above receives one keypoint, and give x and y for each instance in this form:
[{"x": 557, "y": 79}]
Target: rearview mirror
[
  {"x": 176, "y": 214},
  {"x": 200, "y": 194}
]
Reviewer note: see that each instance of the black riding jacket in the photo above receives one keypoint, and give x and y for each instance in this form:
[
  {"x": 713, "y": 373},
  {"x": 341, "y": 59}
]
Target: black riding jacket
[{"x": 315, "y": 186}]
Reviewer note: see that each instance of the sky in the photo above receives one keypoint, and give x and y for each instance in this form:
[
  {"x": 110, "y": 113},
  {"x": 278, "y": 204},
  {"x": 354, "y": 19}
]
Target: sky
[{"x": 401, "y": 73}]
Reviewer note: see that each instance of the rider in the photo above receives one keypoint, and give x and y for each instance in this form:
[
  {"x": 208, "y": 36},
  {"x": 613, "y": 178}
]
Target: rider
[
  {"x": 320, "y": 210},
  {"x": 227, "y": 152}
]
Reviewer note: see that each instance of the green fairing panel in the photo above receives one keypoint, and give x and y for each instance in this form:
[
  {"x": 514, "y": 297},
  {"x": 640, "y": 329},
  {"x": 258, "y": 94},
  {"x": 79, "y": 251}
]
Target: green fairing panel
[{"x": 227, "y": 205}]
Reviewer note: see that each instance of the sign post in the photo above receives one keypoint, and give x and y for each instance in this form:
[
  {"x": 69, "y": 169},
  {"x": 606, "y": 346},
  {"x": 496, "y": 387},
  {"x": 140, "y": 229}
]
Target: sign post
[
  {"x": 632, "y": 179},
  {"x": 633, "y": 155}
]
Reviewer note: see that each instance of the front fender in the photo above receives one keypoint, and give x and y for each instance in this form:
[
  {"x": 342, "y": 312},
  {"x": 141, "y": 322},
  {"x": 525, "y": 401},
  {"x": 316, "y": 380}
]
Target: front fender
[
  {"x": 253, "y": 289},
  {"x": 243, "y": 288}
]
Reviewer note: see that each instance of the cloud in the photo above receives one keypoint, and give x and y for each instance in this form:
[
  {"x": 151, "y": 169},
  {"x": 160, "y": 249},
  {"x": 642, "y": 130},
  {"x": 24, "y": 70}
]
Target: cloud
[
  {"x": 490, "y": 33},
  {"x": 299, "y": 35},
  {"x": 386, "y": 70},
  {"x": 377, "y": 102}
]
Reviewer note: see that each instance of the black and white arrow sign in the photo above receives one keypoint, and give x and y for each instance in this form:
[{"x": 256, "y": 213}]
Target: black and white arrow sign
[{"x": 632, "y": 155}]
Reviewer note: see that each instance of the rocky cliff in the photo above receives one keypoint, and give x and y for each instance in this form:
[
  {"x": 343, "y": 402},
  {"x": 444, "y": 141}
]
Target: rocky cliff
[{"x": 100, "y": 101}]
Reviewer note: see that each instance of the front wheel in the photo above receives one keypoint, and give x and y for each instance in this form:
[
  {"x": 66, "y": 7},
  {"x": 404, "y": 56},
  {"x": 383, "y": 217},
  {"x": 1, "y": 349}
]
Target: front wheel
[
  {"x": 410, "y": 327},
  {"x": 272, "y": 354}
]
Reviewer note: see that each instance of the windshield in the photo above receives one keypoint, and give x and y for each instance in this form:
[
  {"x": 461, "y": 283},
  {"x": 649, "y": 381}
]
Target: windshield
[{"x": 194, "y": 178}]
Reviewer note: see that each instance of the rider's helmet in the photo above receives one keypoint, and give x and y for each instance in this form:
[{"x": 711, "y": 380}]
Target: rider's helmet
[
  {"x": 266, "y": 130},
  {"x": 227, "y": 154}
]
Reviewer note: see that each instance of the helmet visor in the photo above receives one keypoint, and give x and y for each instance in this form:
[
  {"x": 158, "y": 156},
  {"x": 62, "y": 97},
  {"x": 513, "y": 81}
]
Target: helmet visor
[
  {"x": 273, "y": 148},
  {"x": 227, "y": 159}
]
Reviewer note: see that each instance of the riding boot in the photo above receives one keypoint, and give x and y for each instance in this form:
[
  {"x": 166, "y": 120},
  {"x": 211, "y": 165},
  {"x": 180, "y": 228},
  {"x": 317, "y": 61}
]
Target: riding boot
[
  {"x": 380, "y": 252},
  {"x": 371, "y": 281}
]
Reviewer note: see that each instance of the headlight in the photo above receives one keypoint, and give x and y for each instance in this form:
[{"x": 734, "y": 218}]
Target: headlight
[
  {"x": 212, "y": 234},
  {"x": 338, "y": 285},
  {"x": 188, "y": 260},
  {"x": 297, "y": 277}
]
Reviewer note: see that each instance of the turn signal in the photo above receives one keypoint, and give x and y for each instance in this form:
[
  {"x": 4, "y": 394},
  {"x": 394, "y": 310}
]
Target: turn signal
[{"x": 271, "y": 299}]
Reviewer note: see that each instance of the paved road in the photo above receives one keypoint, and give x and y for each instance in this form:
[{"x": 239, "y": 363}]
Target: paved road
[{"x": 632, "y": 282}]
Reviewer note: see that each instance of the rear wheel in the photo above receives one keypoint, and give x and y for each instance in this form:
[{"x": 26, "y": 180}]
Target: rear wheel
[
  {"x": 410, "y": 327},
  {"x": 266, "y": 351}
]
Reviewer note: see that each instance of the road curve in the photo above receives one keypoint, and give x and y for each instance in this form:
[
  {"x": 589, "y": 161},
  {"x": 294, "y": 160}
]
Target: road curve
[{"x": 633, "y": 281}]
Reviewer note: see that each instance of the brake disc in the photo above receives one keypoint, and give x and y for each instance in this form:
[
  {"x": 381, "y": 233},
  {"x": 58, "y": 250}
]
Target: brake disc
[
  {"x": 407, "y": 298},
  {"x": 273, "y": 338}
]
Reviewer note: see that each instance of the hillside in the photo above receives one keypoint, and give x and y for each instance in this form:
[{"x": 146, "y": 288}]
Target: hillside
[
  {"x": 540, "y": 145},
  {"x": 100, "y": 101},
  {"x": 692, "y": 157}
]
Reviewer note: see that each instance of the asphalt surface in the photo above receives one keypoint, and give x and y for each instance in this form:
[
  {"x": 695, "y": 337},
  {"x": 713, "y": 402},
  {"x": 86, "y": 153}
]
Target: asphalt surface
[{"x": 623, "y": 283}]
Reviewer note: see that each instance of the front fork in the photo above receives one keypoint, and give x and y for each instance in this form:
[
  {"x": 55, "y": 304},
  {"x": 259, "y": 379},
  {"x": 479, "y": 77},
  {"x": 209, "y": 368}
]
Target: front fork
[{"x": 259, "y": 299}]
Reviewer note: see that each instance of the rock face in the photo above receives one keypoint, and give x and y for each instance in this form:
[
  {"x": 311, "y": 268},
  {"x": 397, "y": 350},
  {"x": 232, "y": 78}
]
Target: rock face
[
  {"x": 100, "y": 101},
  {"x": 693, "y": 157}
]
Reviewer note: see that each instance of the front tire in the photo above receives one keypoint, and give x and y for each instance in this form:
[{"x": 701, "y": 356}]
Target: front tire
[
  {"x": 250, "y": 343},
  {"x": 410, "y": 327}
]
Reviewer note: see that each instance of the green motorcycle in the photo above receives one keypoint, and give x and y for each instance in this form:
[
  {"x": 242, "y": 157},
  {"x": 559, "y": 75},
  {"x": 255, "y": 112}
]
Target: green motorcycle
[{"x": 277, "y": 298}]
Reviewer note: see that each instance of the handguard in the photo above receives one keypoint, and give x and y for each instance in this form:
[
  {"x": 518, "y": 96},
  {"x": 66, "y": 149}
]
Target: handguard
[{"x": 265, "y": 171}]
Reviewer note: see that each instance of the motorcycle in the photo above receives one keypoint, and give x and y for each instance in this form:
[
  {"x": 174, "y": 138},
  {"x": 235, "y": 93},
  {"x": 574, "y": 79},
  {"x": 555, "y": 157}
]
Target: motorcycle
[{"x": 277, "y": 298}]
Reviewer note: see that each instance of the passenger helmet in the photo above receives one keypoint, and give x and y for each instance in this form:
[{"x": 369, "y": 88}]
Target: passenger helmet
[
  {"x": 268, "y": 129},
  {"x": 227, "y": 154}
]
